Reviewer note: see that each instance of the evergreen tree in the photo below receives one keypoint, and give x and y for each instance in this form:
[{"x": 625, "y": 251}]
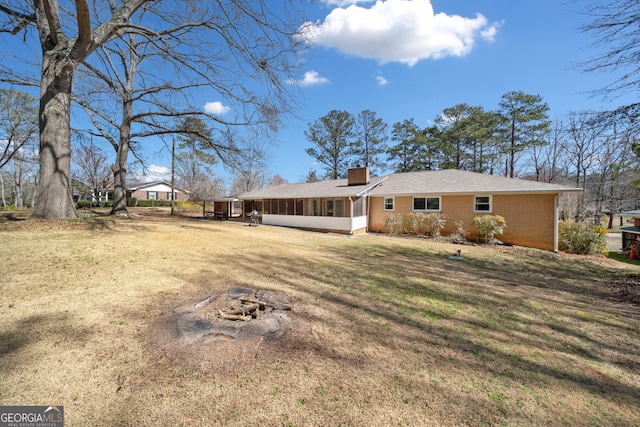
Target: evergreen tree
[
  {"x": 404, "y": 155},
  {"x": 332, "y": 136},
  {"x": 371, "y": 141},
  {"x": 195, "y": 159},
  {"x": 524, "y": 123}
]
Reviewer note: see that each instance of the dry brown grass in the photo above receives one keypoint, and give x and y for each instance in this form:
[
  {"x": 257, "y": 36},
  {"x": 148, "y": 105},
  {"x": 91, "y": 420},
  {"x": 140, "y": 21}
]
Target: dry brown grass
[{"x": 387, "y": 331}]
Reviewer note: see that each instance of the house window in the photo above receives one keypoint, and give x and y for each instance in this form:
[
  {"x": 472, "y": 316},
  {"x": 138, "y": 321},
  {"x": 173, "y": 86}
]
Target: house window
[
  {"x": 482, "y": 204},
  {"x": 169, "y": 193},
  {"x": 152, "y": 195},
  {"x": 388, "y": 203},
  {"x": 429, "y": 204}
]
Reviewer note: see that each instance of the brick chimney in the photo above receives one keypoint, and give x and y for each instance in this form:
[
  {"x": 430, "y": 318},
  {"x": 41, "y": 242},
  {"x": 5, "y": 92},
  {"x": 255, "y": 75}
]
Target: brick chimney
[{"x": 358, "y": 175}]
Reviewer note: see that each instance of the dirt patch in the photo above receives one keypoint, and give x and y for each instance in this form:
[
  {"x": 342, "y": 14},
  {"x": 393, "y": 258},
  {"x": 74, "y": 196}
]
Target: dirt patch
[
  {"x": 196, "y": 332},
  {"x": 205, "y": 320}
]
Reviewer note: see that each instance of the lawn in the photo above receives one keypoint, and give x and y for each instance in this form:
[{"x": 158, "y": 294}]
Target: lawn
[{"x": 386, "y": 331}]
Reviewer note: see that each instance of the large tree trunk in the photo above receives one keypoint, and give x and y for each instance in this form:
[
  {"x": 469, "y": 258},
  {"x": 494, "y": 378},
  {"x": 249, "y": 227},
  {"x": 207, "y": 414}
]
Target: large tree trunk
[
  {"x": 4, "y": 201},
  {"x": 17, "y": 182},
  {"x": 119, "y": 169},
  {"x": 55, "y": 195}
]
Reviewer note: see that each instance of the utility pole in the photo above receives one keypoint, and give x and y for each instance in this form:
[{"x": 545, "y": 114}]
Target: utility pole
[{"x": 173, "y": 174}]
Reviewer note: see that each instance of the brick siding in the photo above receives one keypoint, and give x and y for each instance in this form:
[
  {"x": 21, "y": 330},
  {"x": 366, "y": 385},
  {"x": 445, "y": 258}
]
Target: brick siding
[{"x": 529, "y": 217}]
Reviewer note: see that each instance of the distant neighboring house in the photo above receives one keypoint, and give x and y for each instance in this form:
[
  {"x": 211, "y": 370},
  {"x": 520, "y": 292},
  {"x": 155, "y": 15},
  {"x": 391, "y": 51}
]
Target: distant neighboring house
[
  {"x": 359, "y": 203},
  {"x": 157, "y": 190},
  {"x": 82, "y": 191}
]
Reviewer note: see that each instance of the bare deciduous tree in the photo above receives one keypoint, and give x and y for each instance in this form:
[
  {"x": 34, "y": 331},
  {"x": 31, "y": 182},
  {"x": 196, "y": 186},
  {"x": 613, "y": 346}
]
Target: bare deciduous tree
[
  {"x": 249, "y": 168},
  {"x": 18, "y": 122},
  {"x": 220, "y": 45},
  {"x": 90, "y": 167},
  {"x": 616, "y": 46},
  {"x": 67, "y": 36}
]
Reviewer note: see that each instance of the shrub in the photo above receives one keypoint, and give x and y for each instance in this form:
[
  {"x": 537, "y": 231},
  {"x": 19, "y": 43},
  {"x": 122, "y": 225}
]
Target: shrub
[
  {"x": 131, "y": 202},
  {"x": 153, "y": 203},
  {"x": 488, "y": 226},
  {"x": 83, "y": 204},
  {"x": 394, "y": 224},
  {"x": 415, "y": 223},
  {"x": 460, "y": 235},
  {"x": 412, "y": 223},
  {"x": 433, "y": 223},
  {"x": 10, "y": 208},
  {"x": 188, "y": 205},
  {"x": 583, "y": 239}
]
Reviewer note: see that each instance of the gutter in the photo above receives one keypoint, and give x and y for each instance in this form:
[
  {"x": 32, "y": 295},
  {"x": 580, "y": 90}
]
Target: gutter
[{"x": 368, "y": 190}]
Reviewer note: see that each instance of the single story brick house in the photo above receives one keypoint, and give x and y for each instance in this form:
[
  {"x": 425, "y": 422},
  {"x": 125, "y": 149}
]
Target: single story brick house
[
  {"x": 360, "y": 203},
  {"x": 157, "y": 190}
]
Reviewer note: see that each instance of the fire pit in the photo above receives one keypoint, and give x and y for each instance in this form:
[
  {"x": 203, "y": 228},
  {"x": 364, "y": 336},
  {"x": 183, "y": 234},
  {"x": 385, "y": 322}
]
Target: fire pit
[{"x": 241, "y": 314}]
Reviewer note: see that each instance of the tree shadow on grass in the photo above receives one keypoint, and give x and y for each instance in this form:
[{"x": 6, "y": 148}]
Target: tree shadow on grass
[
  {"x": 51, "y": 328},
  {"x": 13, "y": 216},
  {"x": 385, "y": 282}
]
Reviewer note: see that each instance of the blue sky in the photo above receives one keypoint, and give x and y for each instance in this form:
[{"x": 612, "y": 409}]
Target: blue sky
[
  {"x": 412, "y": 59},
  {"x": 460, "y": 51}
]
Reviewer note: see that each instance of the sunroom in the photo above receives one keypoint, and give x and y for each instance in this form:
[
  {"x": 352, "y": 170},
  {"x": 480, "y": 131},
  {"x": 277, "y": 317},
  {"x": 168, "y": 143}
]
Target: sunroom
[{"x": 337, "y": 205}]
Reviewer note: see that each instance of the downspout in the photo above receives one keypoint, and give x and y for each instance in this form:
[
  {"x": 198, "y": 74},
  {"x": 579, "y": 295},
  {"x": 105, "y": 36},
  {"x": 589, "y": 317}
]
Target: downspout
[
  {"x": 556, "y": 211},
  {"x": 350, "y": 215}
]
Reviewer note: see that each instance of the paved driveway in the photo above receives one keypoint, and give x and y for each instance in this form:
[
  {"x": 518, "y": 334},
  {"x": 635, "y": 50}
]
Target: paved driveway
[{"x": 615, "y": 242}]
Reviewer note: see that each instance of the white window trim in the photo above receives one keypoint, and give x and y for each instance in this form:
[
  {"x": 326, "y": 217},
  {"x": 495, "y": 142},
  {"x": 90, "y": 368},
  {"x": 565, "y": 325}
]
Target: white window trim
[
  {"x": 490, "y": 204},
  {"x": 425, "y": 209},
  {"x": 393, "y": 203}
]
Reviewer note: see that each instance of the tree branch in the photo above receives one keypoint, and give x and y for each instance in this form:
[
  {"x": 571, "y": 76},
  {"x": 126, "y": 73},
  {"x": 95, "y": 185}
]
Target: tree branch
[{"x": 83, "y": 19}]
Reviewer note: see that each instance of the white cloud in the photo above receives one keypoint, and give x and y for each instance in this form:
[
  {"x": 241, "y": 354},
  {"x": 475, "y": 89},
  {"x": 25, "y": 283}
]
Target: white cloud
[
  {"x": 310, "y": 78},
  {"x": 382, "y": 81},
  {"x": 216, "y": 108},
  {"x": 153, "y": 173},
  {"x": 398, "y": 31},
  {"x": 342, "y": 3},
  {"x": 489, "y": 33}
]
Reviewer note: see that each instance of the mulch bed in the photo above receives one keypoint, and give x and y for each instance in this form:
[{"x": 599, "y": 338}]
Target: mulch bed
[{"x": 626, "y": 288}]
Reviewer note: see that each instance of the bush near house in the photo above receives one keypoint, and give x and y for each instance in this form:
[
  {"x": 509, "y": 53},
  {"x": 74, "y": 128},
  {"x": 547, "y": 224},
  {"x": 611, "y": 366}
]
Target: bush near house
[
  {"x": 415, "y": 223},
  {"x": 489, "y": 226},
  {"x": 434, "y": 223},
  {"x": 583, "y": 239},
  {"x": 153, "y": 203},
  {"x": 84, "y": 204}
]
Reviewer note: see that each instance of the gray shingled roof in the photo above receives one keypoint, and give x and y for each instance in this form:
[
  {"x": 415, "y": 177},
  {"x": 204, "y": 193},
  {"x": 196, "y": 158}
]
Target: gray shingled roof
[
  {"x": 153, "y": 183},
  {"x": 448, "y": 181},
  {"x": 453, "y": 181},
  {"x": 333, "y": 188}
]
